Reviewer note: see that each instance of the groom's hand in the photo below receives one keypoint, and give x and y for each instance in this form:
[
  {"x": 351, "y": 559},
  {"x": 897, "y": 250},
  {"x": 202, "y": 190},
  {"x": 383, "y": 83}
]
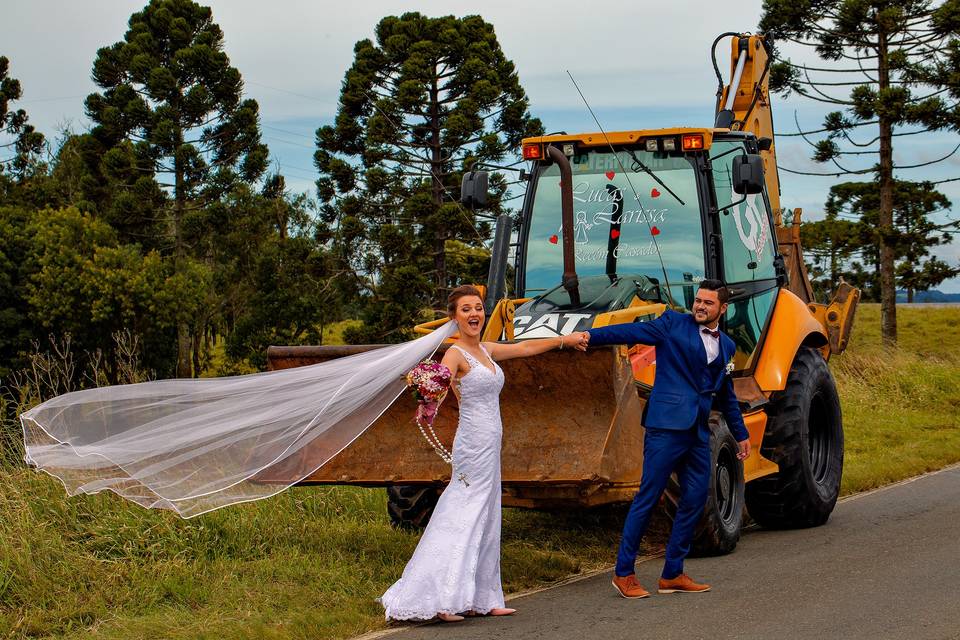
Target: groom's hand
[{"x": 744, "y": 452}]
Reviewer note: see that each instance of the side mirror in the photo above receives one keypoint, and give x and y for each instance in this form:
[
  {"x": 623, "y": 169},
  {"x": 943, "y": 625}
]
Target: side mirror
[
  {"x": 748, "y": 174},
  {"x": 473, "y": 189}
]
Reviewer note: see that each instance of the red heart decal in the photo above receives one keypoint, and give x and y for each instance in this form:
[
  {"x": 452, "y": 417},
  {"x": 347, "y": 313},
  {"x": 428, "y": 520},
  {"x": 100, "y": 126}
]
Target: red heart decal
[
  {"x": 654, "y": 193},
  {"x": 553, "y": 239},
  {"x": 615, "y": 234},
  {"x": 610, "y": 174},
  {"x": 655, "y": 231}
]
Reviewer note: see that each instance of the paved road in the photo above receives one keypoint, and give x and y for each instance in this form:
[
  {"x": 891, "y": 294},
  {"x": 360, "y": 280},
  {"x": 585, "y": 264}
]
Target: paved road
[{"x": 886, "y": 565}]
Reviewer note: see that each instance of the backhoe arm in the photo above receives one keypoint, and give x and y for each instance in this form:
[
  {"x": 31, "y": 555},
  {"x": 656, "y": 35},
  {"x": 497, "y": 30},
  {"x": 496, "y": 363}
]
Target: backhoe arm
[{"x": 747, "y": 107}]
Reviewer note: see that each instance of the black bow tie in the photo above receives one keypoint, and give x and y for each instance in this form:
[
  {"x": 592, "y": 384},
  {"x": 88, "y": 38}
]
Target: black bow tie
[{"x": 715, "y": 334}]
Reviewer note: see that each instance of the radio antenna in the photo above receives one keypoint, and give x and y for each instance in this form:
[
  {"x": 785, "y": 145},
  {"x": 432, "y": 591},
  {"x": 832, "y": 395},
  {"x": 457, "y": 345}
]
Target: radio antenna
[{"x": 636, "y": 196}]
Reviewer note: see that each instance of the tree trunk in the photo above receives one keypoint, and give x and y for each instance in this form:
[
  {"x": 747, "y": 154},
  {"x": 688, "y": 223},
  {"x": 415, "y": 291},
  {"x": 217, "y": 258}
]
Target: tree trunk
[
  {"x": 888, "y": 287},
  {"x": 196, "y": 352},
  {"x": 834, "y": 267},
  {"x": 436, "y": 165},
  {"x": 909, "y": 294},
  {"x": 184, "y": 337}
]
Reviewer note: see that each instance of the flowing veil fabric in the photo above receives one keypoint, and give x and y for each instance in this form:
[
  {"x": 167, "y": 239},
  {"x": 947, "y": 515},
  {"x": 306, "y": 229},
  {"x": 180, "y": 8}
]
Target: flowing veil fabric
[{"x": 194, "y": 445}]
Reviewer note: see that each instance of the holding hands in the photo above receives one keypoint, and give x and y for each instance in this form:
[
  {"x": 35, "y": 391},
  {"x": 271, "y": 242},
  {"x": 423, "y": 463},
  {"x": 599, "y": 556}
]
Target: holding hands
[{"x": 578, "y": 340}]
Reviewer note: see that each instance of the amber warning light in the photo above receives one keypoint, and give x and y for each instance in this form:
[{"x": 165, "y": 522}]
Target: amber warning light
[
  {"x": 692, "y": 142},
  {"x": 532, "y": 152}
]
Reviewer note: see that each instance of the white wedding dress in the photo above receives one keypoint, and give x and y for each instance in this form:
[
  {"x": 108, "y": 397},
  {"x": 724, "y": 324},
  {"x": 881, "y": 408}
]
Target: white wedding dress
[{"x": 456, "y": 565}]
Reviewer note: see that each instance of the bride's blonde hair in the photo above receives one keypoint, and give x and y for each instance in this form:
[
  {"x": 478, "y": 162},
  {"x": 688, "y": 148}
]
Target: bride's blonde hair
[{"x": 460, "y": 292}]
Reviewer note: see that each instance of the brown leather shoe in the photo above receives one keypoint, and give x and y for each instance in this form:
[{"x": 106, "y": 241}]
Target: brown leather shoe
[
  {"x": 628, "y": 587},
  {"x": 681, "y": 584}
]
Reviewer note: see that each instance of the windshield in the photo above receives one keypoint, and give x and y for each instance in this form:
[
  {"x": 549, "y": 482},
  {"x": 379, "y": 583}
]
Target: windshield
[{"x": 617, "y": 231}]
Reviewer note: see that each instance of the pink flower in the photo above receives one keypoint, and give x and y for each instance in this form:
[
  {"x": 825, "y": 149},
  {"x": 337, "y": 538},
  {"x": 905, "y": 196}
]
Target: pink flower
[{"x": 429, "y": 382}]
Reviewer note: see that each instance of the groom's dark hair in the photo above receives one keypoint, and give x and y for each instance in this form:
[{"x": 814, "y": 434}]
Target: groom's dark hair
[{"x": 723, "y": 294}]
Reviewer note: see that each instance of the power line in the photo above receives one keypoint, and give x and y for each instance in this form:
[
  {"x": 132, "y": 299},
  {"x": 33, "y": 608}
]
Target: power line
[
  {"x": 295, "y": 144},
  {"x": 293, "y": 133},
  {"x": 293, "y": 93}
]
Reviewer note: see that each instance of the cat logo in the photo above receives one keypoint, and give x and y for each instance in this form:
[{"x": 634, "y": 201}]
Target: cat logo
[{"x": 549, "y": 325}]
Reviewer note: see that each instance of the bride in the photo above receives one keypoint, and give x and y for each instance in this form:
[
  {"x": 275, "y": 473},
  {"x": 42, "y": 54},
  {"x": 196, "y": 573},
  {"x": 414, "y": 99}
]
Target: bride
[
  {"x": 455, "y": 568},
  {"x": 195, "y": 445}
]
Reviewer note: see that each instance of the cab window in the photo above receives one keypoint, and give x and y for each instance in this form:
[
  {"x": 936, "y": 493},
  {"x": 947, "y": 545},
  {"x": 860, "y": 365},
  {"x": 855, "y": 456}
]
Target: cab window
[
  {"x": 748, "y": 239},
  {"x": 748, "y": 249},
  {"x": 625, "y": 222}
]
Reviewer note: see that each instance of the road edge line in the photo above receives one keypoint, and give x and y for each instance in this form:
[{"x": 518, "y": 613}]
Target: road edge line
[{"x": 898, "y": 483}]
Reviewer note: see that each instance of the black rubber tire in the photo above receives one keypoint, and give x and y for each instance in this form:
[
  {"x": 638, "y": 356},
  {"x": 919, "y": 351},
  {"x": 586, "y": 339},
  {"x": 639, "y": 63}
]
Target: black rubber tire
[
  {"x": 804, "y": 436},
  {"x": 718, "y": 531},
  {"x": 410, "y": 506}
]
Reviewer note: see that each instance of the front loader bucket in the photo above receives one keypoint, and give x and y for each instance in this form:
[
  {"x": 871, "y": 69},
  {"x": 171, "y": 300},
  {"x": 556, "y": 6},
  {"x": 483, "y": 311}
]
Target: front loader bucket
[{"x": 571, "y": 431}]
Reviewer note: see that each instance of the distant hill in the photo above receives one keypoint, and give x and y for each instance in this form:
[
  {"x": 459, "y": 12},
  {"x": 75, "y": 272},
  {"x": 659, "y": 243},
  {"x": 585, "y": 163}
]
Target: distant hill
[{"x": 929, "y": 296}]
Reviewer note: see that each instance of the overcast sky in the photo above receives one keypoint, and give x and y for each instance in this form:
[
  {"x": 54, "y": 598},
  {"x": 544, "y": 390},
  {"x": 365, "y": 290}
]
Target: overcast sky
[{"x": 641, "y": 64}]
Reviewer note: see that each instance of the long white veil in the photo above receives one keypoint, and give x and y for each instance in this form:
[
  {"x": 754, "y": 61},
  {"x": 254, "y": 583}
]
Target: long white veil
[{"x": 194, "y": 445}]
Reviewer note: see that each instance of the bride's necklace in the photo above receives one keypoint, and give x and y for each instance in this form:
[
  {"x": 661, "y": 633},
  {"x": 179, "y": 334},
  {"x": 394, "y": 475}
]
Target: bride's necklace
[
  {"x": 430, "y": 382},
  {"x": 434, "y": 441}
]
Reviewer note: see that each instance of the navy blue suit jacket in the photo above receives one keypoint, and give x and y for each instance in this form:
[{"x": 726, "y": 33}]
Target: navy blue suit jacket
[{"x": 685, "y": 386}]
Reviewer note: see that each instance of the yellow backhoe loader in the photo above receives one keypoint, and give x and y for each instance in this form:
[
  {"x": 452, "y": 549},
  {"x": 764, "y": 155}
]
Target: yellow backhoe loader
[{"x": 616, "y": 227}]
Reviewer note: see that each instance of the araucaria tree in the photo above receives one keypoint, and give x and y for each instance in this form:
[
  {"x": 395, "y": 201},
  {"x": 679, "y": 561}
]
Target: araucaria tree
[
  {"x": 427, "y": 99},
  {"x": 892, "y": 67},
  {"x": 847, "y": 239},
  {"x": 172, "y": 110},
  {"x": 20, "y": 143}
]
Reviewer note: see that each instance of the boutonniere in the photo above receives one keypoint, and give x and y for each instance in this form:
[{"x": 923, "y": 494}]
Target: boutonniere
[{"x": 729, "y": 367}]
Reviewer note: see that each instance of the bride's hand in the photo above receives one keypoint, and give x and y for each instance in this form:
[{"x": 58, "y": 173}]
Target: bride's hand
[{"x": 582, "y": 340}]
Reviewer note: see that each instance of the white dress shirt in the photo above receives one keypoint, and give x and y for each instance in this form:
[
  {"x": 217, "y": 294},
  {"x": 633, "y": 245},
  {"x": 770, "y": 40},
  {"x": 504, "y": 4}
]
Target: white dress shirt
[{"x": 711, "y": 344}]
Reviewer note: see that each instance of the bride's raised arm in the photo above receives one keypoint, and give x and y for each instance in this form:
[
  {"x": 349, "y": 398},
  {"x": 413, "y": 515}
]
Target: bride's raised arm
[{"x": 527, "y": 348}]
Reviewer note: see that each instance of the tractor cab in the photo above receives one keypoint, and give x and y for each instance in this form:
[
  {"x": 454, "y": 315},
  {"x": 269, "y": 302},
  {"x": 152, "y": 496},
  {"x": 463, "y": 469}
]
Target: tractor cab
[{"x": 651, "y": 214}]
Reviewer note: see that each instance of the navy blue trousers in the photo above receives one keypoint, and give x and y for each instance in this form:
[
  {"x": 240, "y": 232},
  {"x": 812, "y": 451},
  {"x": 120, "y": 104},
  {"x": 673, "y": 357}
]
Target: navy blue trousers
[{"x": 665, "y": 450}]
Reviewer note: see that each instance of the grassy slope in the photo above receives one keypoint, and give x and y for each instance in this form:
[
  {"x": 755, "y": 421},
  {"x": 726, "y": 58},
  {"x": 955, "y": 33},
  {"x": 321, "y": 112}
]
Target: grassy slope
[
  {"x": 309, "y": 563},
  {"x": 900, "y": 408}
]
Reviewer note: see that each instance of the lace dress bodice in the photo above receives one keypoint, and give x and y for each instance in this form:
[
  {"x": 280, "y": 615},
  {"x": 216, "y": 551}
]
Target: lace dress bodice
[
  {"x": 456, "y": 566},
  {"x": 479, "y": 430}
]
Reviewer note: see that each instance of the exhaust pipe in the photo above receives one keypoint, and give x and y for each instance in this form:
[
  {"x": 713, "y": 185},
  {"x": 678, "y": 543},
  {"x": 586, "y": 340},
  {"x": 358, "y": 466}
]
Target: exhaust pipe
[
  {"x": 496, "y": 285},
  {"x": 570, "y": 281}
]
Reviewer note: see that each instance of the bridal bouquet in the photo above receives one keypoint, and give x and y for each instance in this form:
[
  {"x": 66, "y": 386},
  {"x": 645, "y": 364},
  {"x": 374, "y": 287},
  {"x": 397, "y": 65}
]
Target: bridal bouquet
[{"x": 429, "y": 382}]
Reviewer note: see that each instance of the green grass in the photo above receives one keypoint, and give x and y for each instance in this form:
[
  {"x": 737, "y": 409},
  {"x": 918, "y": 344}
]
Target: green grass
[
  {"x": 305, "y": 564},
  {"x": 900, "y": 406},
  {"x": 309, "y": 562},
  {"x": 218, "y": 364},
  {"x": 333, "y": 332}
]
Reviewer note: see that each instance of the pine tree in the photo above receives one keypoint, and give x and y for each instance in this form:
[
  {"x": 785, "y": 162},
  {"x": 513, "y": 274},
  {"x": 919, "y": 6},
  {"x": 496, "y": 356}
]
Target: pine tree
[
  {"x": 20, "y": 142},
  {"x": 851, "y": 234},
  {"x": 892, "y": 67},
  {"x": 430, "y": 97},
  {"x": 172, "y": 109},
  {"x": 831, "y": 243}
]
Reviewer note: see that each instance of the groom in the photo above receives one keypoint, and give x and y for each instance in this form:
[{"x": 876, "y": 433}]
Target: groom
[{"x": 691, "y": 377}]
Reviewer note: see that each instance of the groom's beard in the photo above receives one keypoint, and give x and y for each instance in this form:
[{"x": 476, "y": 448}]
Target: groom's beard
[{"x": 707, "y": 319}]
